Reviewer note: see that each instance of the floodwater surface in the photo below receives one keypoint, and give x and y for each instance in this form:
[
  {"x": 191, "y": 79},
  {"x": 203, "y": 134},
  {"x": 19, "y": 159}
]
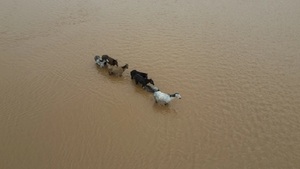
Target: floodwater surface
[{"x": 235, "y": 63}]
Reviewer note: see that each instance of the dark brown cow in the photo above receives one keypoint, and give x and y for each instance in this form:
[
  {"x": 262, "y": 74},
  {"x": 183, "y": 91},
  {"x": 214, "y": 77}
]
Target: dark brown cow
[{"x": 110, "y": 60}]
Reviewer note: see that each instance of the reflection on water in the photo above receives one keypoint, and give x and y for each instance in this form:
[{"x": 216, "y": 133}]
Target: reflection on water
[{"x": 236, "y": 65}]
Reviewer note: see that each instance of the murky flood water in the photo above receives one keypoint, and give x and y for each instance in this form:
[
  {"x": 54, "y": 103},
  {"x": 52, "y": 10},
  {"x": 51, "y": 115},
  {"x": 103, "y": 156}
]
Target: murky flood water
[{"x": 236, "y": 65}]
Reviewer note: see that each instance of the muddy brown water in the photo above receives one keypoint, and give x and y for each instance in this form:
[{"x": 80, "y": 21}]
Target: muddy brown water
[{"x": 235, "y": 63}]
